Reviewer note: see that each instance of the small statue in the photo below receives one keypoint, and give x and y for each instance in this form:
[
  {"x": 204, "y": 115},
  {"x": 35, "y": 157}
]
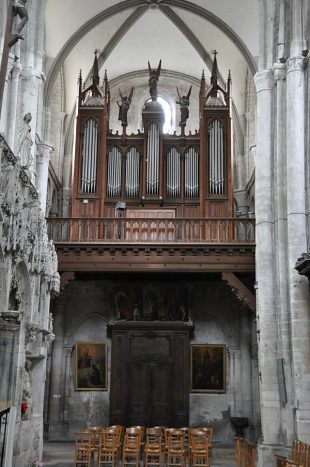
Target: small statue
[
  {"x": 20, "y": 10},
  {"x": 124, "y": 107},
  {"x": 154, "y": 75},
  {"x": 24, "y": 142},
  {"x": 184, "y": 103},
  {"x": 26, "y": 406}
]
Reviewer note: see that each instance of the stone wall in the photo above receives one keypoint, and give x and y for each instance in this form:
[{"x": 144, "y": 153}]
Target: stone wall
[
  {"x": 82, "y": 313},
  {"x": 28, "y": 276}
]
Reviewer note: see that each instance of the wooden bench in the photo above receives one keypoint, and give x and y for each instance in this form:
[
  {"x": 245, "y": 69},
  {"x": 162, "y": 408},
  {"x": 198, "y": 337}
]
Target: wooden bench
[
  {"x": 245, "y": 452},
  {"x": 299, "y": 456}
]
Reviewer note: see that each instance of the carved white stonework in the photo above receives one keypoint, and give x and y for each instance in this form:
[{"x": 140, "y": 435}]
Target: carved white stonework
[
  {"x": 31, "y": 333},
  {"x": 44, "y": 151}
]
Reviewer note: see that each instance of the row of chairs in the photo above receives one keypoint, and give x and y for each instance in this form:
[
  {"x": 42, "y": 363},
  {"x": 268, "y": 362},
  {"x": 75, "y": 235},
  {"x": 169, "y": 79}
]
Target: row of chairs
[{"x": 105, "y": 446}]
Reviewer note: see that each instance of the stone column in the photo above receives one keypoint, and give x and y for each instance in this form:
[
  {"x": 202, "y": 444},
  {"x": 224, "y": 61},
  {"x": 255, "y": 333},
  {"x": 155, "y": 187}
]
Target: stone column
[
  {"x": 297, "y": 241},
  {"x": 245, "y": 365},
  {"x": 281, "y": 278},
  {"x": 44, "y": 151},
  {"x": 57, "y": 373},
  {"x": 235, "y": 379},
  {"x": 265, "y": 269}
]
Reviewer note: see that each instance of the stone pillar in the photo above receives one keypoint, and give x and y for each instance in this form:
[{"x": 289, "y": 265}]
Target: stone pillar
[
  {"x": 235, "y": 386},
  {"x": 265, "y": 269},
  {"x": 44, "y": 151},
  {"x": 245, "y": 365},
  {"x": 297, "y": 242},
  {"x": 57, "y": 374},
  {"x": 281, "y": 278}
]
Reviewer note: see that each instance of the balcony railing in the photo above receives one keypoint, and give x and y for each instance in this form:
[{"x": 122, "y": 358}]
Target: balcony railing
[{"x": 138, "y": 230}]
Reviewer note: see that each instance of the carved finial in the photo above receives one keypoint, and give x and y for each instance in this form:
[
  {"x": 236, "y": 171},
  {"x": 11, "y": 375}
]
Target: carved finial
[
  {"x": 80, "y": 81},
  {"x": 229, "y": 84},
  {"x": 215, "y": 71},
  {"x": 202, "y": 84},
  {"x": 105, "y": 82},
  {"x": 96, "y": 69}
]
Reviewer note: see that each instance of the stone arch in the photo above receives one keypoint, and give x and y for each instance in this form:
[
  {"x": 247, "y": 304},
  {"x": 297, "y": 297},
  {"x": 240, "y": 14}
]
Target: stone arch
[
  {"x": 85, "y": 320},
  {"x": 142, "y": 7},
  {"x": 218, "y": 324}
]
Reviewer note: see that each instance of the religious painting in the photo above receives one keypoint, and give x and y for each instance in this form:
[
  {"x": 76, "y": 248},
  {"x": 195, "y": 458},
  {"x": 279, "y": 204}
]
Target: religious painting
[
  {"x": 91, "y": 366},
  {"x": 208, "y": 368},
  {"x": 151, "y": 302}
]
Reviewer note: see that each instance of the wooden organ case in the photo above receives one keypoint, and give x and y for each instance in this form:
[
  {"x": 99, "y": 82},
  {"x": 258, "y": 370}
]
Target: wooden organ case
[
  {"x": 151, "y": 175},
  {"x": 139, "y": 188}
]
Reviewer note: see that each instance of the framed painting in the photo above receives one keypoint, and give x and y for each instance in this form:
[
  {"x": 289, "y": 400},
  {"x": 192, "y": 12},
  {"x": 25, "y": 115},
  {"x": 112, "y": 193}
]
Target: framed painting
[
  {"x": 91, "y": 366},
  {"x": 208, "y": 368}
]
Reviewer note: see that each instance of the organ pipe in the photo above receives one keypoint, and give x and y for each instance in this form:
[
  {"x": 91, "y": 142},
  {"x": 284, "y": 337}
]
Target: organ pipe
[
  {"x": 114, "y": 172},
  {"x": 216, "y": 162},
  {"x": 191, "y": 173},
  {"x": 89, "y": 157},
  {"x": 132, "y": 183},
  {"x": 173, "y": 173},
  {"x": 152, "y": 168}
]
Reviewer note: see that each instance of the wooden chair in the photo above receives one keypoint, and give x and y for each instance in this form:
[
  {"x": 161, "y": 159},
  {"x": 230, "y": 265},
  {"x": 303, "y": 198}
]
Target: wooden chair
[
  {"x": 294, "y": 456},
  {"x": 185, "y": 431},
  {"x": 209, "y": 431},
  {"x": 175, "y": 448},
  {"x": 300, "y": 456},
  {"x": 238, "y": 450},
  {"x": 109, "y": 448},
  {"x": 84, "y": 451},
  {"x": 119, "y": 429},
  {"x": 249, "y": 454},
  {"x": 245, "y": 452},
  {"x": 153, "y": 450},
  {"x": 199, "y": 448},
  {"x": 131, "y": 447}
]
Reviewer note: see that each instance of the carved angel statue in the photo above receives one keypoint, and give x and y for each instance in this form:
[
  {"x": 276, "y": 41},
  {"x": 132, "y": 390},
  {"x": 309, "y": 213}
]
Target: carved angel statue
[
  {"x": 24, "y": 142},
  {"x": 154, "y": 75},
  {"x": 124, "y": 106},
  {"x": 19, "y": 9},
  {"x": 183, "y": 102}
]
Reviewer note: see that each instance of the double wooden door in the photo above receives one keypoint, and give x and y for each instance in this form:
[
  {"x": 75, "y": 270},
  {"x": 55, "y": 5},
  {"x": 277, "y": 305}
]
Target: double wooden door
[
  {"x": 149, "y": 374},
  {"x": 149, "y": 396}
]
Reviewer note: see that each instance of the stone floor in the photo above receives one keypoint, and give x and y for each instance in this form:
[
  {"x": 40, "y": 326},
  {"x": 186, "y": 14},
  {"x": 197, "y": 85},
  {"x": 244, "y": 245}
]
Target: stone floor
[{"x": 62, "y": 455}]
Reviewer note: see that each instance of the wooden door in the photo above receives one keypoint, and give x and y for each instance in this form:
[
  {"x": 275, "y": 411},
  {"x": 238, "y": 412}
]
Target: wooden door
[
  {"x": 149, "y": 393},
  {"x": 149, "y": 374}
]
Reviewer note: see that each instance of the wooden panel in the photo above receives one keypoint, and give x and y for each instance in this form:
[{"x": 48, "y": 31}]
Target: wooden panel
[
  {"x": 150, "y": 213},
  {"x": 138, "y": 391},
  {"x": 160, "y": 395},
  {"x": 181, "y": 364}
]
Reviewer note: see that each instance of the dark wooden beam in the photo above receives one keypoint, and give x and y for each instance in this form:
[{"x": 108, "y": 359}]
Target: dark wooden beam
[
  {"x": 240, "y": 290},
  {"x": 149, "y": 258}
]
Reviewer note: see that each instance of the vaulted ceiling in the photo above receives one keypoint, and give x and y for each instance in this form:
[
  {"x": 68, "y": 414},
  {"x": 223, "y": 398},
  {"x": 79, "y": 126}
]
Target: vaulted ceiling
[{"x": 129, "y": 33}]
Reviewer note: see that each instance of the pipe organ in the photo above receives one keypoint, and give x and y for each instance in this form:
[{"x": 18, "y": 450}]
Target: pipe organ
[{"x": 189, "y": 175}]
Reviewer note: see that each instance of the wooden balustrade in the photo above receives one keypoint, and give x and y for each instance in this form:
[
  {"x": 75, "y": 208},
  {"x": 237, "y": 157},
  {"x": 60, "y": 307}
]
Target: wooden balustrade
[{"x": 140, "y": 230}]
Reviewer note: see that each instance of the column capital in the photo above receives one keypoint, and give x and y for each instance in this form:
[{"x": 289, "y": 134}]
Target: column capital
[
  {"x": 44, "y": 151},
  {"x": 279, "y": 70},
  {"x": 264, "y": 80},
  {"x": 296, "y": 64}
]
